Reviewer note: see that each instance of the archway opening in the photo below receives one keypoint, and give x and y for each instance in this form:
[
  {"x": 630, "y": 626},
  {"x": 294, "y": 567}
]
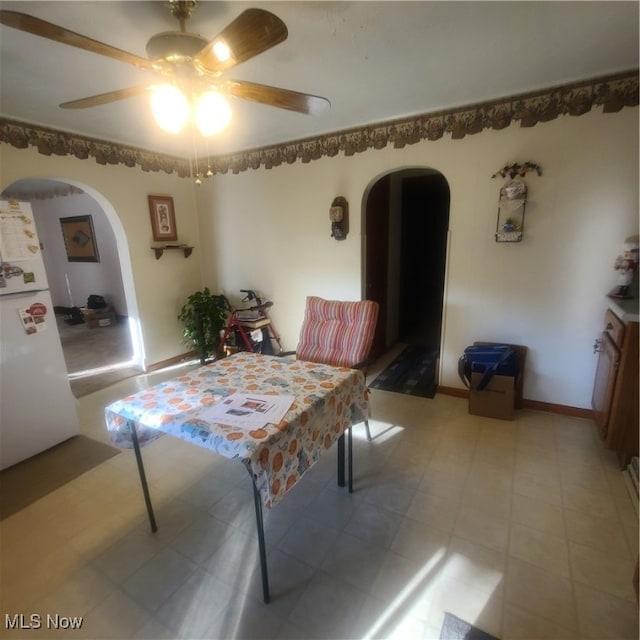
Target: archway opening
[
  {"x": 92, "y": 363},
  {"x": 406, "y": 229}
]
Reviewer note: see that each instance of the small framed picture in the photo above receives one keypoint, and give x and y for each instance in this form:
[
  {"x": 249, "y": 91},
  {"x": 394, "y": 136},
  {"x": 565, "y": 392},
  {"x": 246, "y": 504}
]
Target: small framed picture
[
  {"x": 163, "y": 218},
  {"x": 79, "y": 239}
]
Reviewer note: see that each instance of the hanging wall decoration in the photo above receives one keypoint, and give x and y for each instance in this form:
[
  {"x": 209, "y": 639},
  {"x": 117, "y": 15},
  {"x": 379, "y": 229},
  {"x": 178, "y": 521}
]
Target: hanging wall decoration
[
  {"x": 79, "y": 239},
  {"x": 512, "y": 201},
  {"x": 163, "y": 218}
]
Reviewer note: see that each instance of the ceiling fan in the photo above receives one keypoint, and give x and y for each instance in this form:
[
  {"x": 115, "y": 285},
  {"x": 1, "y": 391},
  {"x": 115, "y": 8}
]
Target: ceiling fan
[{"x": 187, "y": 60}]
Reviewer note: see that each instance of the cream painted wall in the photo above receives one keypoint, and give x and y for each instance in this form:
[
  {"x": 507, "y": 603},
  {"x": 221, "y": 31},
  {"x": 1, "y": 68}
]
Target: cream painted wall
[
  {"x": 71, "y": 283},
  {"x": 269, "y": 230},
  {"x": 156, "y": 288}
]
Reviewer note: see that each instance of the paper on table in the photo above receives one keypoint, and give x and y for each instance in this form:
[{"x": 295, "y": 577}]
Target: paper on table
[{"x": 248, "y": 411}]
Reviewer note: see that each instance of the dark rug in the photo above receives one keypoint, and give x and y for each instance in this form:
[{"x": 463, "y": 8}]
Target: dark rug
[
  {"x": 412, "y": 372},
  {"x": 453, "y": 628},
  {"x": 32, "y": 479}
]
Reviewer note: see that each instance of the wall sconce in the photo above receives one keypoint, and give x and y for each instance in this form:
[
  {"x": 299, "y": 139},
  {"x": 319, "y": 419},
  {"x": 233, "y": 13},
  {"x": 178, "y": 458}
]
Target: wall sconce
[{"x": 339, "y": 216}]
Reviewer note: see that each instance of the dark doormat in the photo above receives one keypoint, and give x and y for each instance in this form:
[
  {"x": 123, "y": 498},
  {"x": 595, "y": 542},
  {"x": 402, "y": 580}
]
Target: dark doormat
[
  {"x": 32, "y": 479},
  {"x": 453, "y": 628},
  {"x": 413, "y": 372}
]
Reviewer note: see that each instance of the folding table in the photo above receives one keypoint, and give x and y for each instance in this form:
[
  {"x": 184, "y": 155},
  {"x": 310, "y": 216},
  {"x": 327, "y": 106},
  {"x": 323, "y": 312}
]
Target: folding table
[{"x": 327, "y": 402}]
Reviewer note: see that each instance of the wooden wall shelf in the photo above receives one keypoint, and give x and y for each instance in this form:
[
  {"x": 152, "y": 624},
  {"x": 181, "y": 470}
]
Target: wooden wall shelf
[{"x": 172, "y": 247}]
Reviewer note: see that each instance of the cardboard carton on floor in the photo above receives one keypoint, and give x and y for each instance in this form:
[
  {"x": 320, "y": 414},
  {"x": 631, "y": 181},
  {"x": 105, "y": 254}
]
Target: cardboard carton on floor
[
  {"x": 521, "y": 351},
  {"x": 496, "y": 400},
  {"x": 97, "y": 318}
]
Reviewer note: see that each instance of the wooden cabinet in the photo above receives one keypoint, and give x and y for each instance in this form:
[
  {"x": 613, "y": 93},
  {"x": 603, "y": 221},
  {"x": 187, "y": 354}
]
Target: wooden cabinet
[
  {"x": 604, "y": 384},
  {"x": 615, "y": 390}
]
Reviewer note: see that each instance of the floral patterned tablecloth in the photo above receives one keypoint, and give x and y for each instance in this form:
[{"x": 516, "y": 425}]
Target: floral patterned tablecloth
[{"x": 328, "y": 400}]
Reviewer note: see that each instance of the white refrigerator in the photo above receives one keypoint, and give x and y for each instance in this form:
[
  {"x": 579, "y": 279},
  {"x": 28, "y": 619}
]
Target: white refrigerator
[{"x": 37, "y": 407}]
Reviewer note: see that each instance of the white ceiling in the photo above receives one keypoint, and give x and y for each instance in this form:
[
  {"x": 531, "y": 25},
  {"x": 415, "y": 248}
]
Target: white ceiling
[{"x": 374, "y": 61}]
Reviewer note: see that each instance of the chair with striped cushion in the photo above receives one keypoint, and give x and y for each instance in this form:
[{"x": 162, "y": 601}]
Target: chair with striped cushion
[{"x": 338, "y": 333}]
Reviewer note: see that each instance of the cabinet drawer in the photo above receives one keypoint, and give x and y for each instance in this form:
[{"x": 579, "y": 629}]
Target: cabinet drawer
[{"x": 614, "y": 327}]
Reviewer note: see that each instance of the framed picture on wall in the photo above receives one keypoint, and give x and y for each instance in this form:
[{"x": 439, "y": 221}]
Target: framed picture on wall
[
  {"x": 163, "y": 218},
  {"x": 79, "y": 239}
]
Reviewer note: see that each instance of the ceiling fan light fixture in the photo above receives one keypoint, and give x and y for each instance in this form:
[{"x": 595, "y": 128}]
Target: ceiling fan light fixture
[
  {"x": 170, "y": 107},
  {"x": 174, "y": 46},
  {"x": 211, "y": 112},
  {"x": 222, "y": 50}
]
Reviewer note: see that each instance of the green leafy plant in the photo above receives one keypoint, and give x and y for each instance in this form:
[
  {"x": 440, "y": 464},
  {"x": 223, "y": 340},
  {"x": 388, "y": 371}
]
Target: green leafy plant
[{"x": 204, "y": 316}]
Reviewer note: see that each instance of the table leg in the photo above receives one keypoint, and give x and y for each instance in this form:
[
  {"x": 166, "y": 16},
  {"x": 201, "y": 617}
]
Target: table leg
[
  {"x": 261, "y": 544},
  {"x": 143, "y": 477},
  {"x": 341, "y": 461},
  {"x": 350, "y": 458}
]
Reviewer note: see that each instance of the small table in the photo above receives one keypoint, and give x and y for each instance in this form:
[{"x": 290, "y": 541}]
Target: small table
[{"x": 327, "y": 402}]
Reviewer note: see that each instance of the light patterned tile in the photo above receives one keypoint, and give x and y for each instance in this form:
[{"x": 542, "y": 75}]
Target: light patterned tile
[
  {"x": 449, "y": 471},
  {"x": 376, "y": 619},
  {"x": 354, "y": 561},
  {"x": 475, "y": 564},
  {"x": 602, "y": 615},
  {"x": 448, "y": 484},
  {"x": 590, "y": 502},
  {"x": 328, "y": 608},
  {"x": 602, "y": 534},
  {"x": 401, "y": 580},
  {"x": 537, "y": 514},
  {"x": 309, "y": 541},
  {"x": 535, "y": 434},
  {"x": 539, "y": 487},
  {"x": 202, "y": 538},
  {"x": 153, "y": 630},
  {"x": 373, "y": 524},
  {"x": 540, "y": 593},
  {"x": 77, "y": 595},
  {"x": 418, "y": 541},
  {"x": 600, "y": 570},
  {"x": 584, "y": 473},
  {"x": 192, "y": 608},
  {"x": 538, "y": 463},
  {"x": 244, "y": 618},
  {"x": 435, "y": 510},
  {"x": 519, "y": 624},
  {"x": 541, "y": 549},
  {"x": 482, "y": 528},
  {"x": 391, "y": 495},
  {"x": 482, "y": 609},
  {"x": 118, "y": 616},
  {"x": 487, "y": 496},
  {"x": 158, "y": 578}
]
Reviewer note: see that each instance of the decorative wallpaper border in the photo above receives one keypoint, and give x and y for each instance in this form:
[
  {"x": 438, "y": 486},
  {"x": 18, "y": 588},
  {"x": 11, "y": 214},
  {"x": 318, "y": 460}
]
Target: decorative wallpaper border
[
  {"x": 60, "y": 143},
  {"x": 612, "y": 93}
]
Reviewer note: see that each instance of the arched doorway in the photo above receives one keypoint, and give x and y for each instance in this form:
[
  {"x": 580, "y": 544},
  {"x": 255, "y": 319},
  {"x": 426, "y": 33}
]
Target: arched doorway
[
  {"x": 51, "y": 199},
  {"x": 406, "y": 225}
]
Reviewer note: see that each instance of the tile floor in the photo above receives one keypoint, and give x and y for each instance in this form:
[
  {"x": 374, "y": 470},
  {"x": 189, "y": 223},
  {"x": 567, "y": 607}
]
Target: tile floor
[{"x": 522, "y": 528}]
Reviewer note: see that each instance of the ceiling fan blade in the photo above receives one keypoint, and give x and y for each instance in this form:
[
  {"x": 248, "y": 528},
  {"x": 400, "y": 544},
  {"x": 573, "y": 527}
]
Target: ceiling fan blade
[
  {"x": 251, "y": 33},
  {"x": 275, "y": 97},
  {"x": 104, "y": 98},
  {"x": 44, "y": 29}
]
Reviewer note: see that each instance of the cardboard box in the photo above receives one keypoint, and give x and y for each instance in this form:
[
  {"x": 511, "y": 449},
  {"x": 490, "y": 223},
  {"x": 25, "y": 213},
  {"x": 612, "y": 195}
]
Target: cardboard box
[
  {"x": 496, "y": 400},
  {"x": 522, "y": 360},
  {"x": 97, "y": 318}
]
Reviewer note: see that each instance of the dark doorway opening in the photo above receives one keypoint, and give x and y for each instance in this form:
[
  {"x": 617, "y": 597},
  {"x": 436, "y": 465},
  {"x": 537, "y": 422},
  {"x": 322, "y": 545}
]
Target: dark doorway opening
[{"x": 406, "y": 226}]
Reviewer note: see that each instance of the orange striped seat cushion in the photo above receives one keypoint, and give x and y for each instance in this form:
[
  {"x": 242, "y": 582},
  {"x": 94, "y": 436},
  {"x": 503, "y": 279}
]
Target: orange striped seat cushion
[{"x": 337, "y": 333}]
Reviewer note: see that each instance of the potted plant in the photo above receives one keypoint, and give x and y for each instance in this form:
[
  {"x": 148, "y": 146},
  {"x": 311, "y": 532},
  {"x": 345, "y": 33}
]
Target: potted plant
[{"x": 204, "y": 316}]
